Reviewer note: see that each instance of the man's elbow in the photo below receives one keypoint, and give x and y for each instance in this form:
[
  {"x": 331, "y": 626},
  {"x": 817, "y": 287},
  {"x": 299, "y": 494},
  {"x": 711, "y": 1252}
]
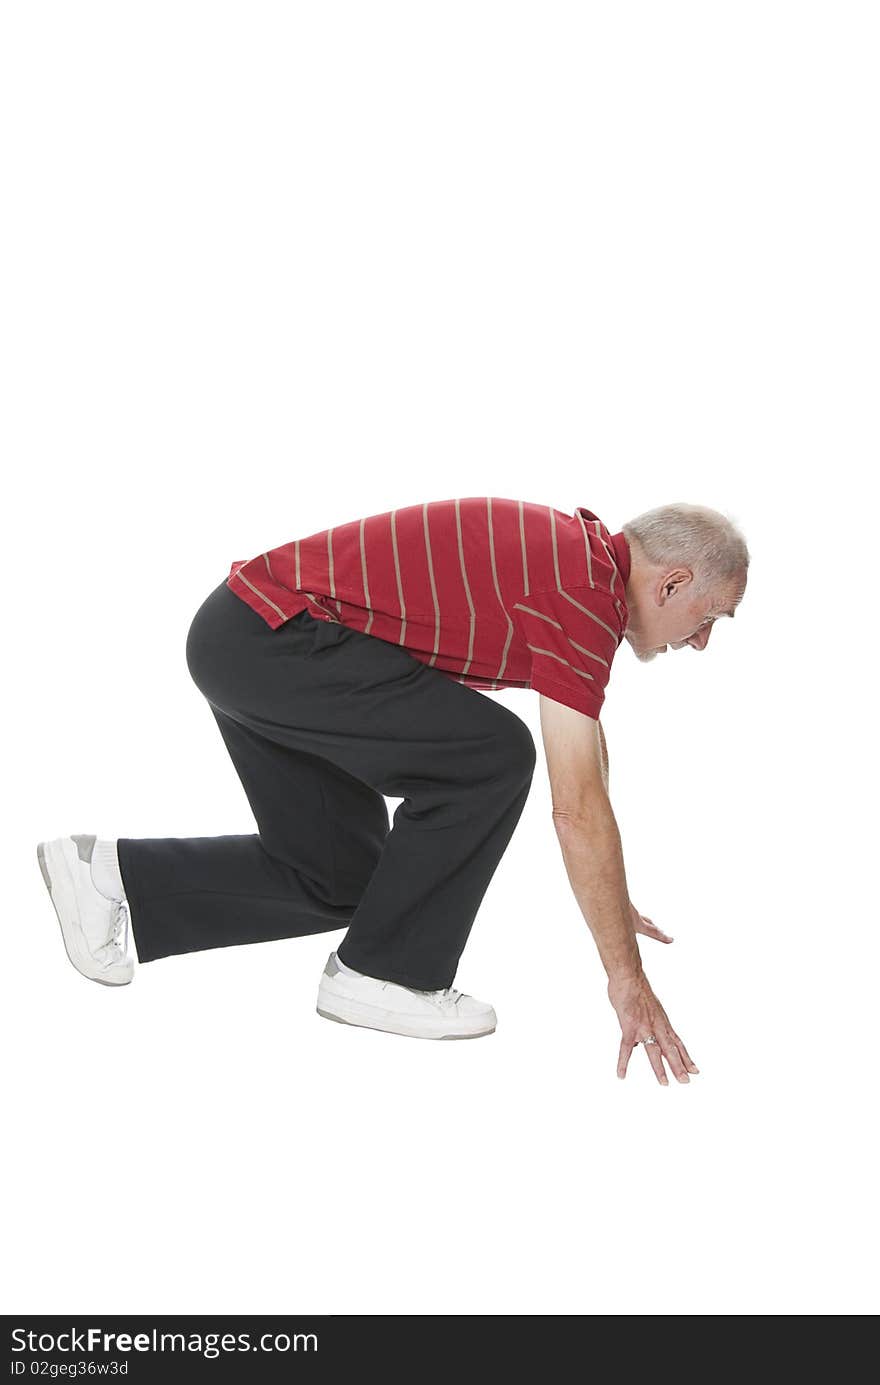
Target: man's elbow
[{"x": 582, "y": 814}]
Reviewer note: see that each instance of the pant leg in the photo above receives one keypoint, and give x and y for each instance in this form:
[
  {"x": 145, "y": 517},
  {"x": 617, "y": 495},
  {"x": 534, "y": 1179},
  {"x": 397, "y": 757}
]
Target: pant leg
[
  {"x": 320, "y": 837},
  {"x": 462, "y": 763},
  {"x": 417, "y": 911}
]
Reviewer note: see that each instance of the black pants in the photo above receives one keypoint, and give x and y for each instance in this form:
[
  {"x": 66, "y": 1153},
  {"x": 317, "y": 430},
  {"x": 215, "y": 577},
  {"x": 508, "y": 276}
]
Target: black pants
[{"x": 320, "y": 721}]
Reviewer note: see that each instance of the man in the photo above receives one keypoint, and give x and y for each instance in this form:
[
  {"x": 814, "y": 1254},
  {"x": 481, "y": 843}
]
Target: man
[{"x": 347, "y": 665}]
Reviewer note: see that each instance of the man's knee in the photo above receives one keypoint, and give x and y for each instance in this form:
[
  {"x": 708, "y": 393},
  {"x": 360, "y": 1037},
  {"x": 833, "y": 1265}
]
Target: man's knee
[{"x": 516, "y": 753}]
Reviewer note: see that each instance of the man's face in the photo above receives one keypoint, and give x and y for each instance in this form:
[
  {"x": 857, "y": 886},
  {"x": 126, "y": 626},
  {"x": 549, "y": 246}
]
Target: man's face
[{"x": 665, "y": 614}]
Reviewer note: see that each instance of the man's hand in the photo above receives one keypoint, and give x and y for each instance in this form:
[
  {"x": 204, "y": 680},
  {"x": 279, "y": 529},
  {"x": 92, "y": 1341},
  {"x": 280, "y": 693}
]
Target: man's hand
[
  {"x": 650, "y": 930},
  {"x": 642, "y": 1016}
]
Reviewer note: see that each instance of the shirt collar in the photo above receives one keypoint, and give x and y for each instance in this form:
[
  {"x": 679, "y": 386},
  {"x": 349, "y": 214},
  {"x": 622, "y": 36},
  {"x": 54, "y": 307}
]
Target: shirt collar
[
  {"x": 619, "y": 546},
  {"x": 621, "y": 550}
]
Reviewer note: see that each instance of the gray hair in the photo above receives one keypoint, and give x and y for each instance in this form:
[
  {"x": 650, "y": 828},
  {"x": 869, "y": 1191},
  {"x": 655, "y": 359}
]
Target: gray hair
[{"x": 706, "y": 541}]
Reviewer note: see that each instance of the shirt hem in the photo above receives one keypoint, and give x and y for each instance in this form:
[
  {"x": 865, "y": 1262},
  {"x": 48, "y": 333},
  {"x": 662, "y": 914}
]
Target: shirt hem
[{"x": 272, "y": 614}]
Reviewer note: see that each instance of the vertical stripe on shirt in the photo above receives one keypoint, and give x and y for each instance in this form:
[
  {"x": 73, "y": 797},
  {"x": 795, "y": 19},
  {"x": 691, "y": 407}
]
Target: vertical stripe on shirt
[
  {"x": 364, "y": 579},
  {"x": 433, "y": 584},
  {"x": 522, "y": 539},
  {"x": 397, "y": 571},
  {"x": 467, "y": 589},
  {"x": 500, "y": 673}
]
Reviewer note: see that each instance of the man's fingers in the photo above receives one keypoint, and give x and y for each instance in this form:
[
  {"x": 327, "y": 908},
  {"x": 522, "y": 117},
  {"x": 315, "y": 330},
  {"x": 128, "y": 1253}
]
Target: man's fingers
[
  {"x": 653, "y": 1052},
  {"x": 650, "y": 929},
  {"x": 626, "y": 1048},
  {"x": 686, "y": 1058},
  {"x": 673, "y": 1057},
  {"x": 658, "y": 933}
]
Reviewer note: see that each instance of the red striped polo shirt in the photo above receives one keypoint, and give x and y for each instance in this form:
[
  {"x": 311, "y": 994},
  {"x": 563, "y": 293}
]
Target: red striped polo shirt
[{"x": 495, "y": 593}]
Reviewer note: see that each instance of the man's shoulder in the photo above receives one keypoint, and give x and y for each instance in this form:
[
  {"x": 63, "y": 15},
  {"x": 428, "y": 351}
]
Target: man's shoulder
[
  {"x": 598, "y": 591},
  {"x": 578, "y": 607}
]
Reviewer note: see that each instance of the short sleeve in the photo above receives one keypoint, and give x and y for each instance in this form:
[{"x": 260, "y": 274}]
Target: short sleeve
[{"x": 572, "y": 638}]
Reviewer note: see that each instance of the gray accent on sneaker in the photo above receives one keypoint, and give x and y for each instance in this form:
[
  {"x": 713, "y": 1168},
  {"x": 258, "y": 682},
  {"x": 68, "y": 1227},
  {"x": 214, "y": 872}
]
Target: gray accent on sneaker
[
  {"x": 332, "y": 966},
  {"x": 85, "y": 844},
  {"x": 41, "y": 857}
]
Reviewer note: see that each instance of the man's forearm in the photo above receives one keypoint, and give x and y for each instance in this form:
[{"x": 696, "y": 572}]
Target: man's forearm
[{"x": 593, "y": 856}]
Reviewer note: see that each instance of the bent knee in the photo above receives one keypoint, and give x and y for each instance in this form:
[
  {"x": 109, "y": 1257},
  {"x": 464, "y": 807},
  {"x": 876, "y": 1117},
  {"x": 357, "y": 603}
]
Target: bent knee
[{"x": 515, "y": 750}]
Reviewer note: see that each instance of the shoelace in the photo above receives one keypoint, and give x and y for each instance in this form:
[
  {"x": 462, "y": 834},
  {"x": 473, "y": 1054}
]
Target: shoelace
[
  {"x": 448, "y": 996},
  {"x": 114, "y": 949}
]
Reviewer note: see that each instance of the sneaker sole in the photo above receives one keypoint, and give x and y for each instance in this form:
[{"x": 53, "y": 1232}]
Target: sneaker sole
[
  {"x": 359, "y": 1017},
  {"x": 56, "y": 875}
]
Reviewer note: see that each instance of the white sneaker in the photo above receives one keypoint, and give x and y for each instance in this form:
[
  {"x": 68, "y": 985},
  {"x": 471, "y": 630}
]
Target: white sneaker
[
  {"x": 375, "y": 1004},
  {"x": 95, "y": 927}
]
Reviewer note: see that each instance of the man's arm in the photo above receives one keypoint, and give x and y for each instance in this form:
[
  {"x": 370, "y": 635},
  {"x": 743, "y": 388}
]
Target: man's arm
[
  {"x": 587, "y": 830},
  {"x": 577, "y": 761},
  {"x": 604, "y": 753}
]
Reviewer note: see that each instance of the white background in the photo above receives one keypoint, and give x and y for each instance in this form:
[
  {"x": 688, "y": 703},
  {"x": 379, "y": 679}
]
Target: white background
[{"x": 270, "y": 267}]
